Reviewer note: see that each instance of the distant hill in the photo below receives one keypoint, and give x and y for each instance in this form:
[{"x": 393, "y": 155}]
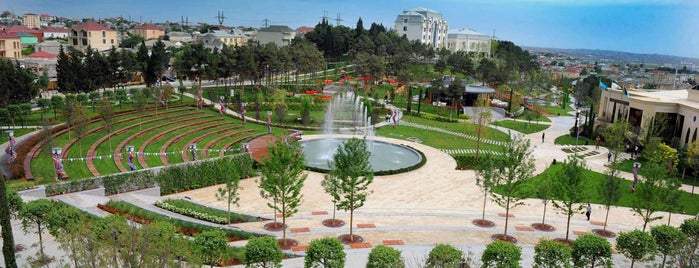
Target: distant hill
[{"x": 619, "y": 57}]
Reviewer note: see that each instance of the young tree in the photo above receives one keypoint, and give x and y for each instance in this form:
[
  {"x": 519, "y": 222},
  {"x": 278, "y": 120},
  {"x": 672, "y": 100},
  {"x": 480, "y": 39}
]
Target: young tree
[
  {"x": 591, "y": 251},
  {"x": 517, "y": 166},
  {"x": 44, "y": 105},
  {"x": 669, "y": 241},
  {"x": 34, "y": 215},
  {"x": 443, "y": 255},
  {"x": 211, "y": 244},
  {"x": 94, "y": 96},
  {"x": 384, "y": 256},
  {"x": 351, "y": 167},
  {"x": 67, "y": 225},
  {"x": 653, "y": 193},
  {"x": 282, "y": 179},
  {"x": 569, "y": 189},
  {"x": 481, "y": 110},
  {"x": 615, "y": 137},
  {"x": 331, "y": 185},
  {"x": 552, "y": 254},
  {"x": 636, "y": 245},
  {"x": 229, "y": 193},
  {"x": 501, "y": 254},
  {"x": 121, "y": 96},
  {"x": 80, "y": 123},
  {"x": 689, "y": 256},
  {"x": 139, "y": 102},
  {"x": 325, "y": 252},
  {"x": 25, "y": 110},
  {"x": 545, "y": 193},
  {"x": 263, "y": 252},
  {"x": 106, "y": 112},
  {"x": 485, "y": 176}
]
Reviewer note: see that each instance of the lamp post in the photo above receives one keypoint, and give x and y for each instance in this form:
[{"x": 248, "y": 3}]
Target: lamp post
[
  {"x": 11, "y": 149},
  {"x": 577, "y": 129},
  {"x": 193, "y": 150},
  {"x": 130, "y": 157},
  {"x": 58, "y": 164},
  {"x": 269, "y": 122},
  {"x": 242, "y": 112}
]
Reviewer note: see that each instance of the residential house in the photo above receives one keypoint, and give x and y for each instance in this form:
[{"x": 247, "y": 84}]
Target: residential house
[
  {"x": 423, "y": 24},
  {"x": 21, "y": 28},
  {"x": 180, "y": 37},
  {"x": 148, "y": 31},
  {"x": 31, "y": 20},
  {"x": 42, "y": 61},
  {"x": 46, "y": 19},
  {"x": 469, "y": 41},
  {"x": 51, "y": 46},
  {"x": 218, "y": 38},
  {"x": 303, "y": 30},
  {"x": 281, "y": 35},
  {"x": 55, "y": 32},
  {"x": 94, "y": 35},
  {"x": 27, "y": 39},
  {"x": 10, "y": 46}
]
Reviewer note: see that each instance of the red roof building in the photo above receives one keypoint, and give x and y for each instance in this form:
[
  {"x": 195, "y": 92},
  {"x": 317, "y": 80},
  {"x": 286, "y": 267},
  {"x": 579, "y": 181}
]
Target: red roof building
[
  {"x": 43, "y": 55},
  {"x": 21, "y": 28},
  {"x": 94, "y": 35},
  {"x": 148, "y": 31},
  {"x": 91, "y": 26},
  {"x": 303, "y": 30}
]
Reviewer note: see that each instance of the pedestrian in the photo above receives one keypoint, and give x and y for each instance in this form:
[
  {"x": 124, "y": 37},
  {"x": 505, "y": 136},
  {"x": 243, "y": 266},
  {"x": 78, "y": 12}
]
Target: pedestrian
[
  {"x": 543, "y": 136},
  {"x": 597, "y": 142},
  {"x": 632, "y": 187},
  {"x": 609, "y": 157},
  {"x": 589, "y": 211},
  {"x": 635, "y": 151}
]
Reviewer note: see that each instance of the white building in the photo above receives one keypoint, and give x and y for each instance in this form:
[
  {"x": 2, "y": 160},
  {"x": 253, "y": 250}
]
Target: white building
[
  {"x": 281, "y": 35},
  {"x": 469, "y": 41},
  {"x": 423, "y": 24}
]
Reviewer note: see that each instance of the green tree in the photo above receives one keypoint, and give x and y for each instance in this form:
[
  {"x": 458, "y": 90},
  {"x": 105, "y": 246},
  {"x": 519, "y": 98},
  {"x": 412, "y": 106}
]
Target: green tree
[
  {"x": 44, "y": 105},
  {"x": 443, "y": 255},
  {"x": 501, "y": 254},
  {"x": 351, "y": 167},
  {"x": 485, "y": 178},
  {"x": 34, "y": 215},
  {"x": 331, "y": 185},
  {"x": 106, "y": 112},
  {"x": 592, "y": 251},
  {"x": 282, "y": 179},
  {"x": 263, "y": 252},
  {"x": 482, "y": 111},
  {"x": 669, "y": 241},
  {"x": 325, "y": 252},
  {"x": 139, "y": 101},
  {"x": 636, "y": 245},
  {"x": 305, "y": 110},
  {"x": 653, "y": 193},
  {"x": 568, "y": 186},
  {"x": 25, "y": 110},
  {"x": 121, "y": 97},
  {"x": 689, "y": 256},
  {"x": 94, "y": 97},
  {"x": 385, "y": 257},
  {"x": 56, "y": 104},
  {"x": 552, "y": 254},
  {"x": 211, "y": 244},
  {"x": 80, "y": 121},
  {"x": 229, "y": 193},
  {"x": 62, "y": 223},
  {"x": 615, "y": 138},
  {"x": 516, "y": 166},
  {"x": 15, "y": 112},
  {"x": 8, "y": 241}
]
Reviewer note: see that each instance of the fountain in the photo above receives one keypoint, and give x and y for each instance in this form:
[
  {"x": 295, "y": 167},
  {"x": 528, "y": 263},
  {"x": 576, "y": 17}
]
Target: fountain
[{"x": 347, "y": 114}]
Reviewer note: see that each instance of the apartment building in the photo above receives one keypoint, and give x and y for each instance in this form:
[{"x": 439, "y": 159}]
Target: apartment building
[
  {"x": 94, "y": 35},
  {"x": 423, "y": 24}
]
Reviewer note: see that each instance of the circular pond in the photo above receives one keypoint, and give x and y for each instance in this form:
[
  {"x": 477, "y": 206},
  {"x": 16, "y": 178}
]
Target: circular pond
[{"x": 384, "y": 156}]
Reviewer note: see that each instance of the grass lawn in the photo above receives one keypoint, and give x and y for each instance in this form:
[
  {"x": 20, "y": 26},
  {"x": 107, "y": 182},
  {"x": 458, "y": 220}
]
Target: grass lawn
[
  {"x": 523, "y": 127},
  {"x": 557, "y": 110},
  {"x": 431, "y": 138},
  {"x": 541, "y": 118},
  {"x": 592, "y": 183},
  {"x": 461, "y": 127},
  {"x": 627, "y": 165},
  {"x": 567, "y": 139}
]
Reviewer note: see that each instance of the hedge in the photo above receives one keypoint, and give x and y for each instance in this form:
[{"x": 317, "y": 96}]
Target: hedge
[
  {"x": 113, "y": 184},
  {"x": 204, "y": 173},
  {"x": 469, "y": 161},
  {"x": 197, "y": 211},
  {"x": 422, "y": 162}
]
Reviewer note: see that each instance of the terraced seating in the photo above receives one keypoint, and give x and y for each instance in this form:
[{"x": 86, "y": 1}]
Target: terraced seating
[
  {"x": 167, "y": 144},
  {"x": 228, "y": 145},
  {"x": 120, "y": 147},
  {"x": 142, "y": 158},
  {"x": 214, "y": 141},
  {"x": 185, "y": 157}
]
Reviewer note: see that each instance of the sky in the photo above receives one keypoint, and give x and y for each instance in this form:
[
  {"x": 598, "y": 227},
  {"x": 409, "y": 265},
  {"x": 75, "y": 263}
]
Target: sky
[{"x": 669, "y": 27}]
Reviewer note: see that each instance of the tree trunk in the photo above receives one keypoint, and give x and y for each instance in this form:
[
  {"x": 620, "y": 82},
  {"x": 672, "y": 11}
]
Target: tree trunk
[
  {"x": 568, "y": 226},
  {"x": 334, "y": 208},
  {"x": 543, "y": 219},
  {"x": 606, "y": 217},
  {"x": 41, "y": 243},
  {"x": 351, "y": 219},
  {"x": 485, "y": 198},
  {"x": 632, "y": 262},
  {"x": 284, "y": 223},
  {"x": 507, "y": 215},
  {"x": 229, "y": 208}
]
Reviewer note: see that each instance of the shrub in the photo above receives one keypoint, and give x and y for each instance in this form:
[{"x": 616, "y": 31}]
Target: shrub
[
  {"x": 204, "y": 173},
  {"x": 552, "y": 254},
  {"x": 263, "y": 252},
  {"x": 669, "y": 240},
  {"x": 113, "y": 184},
  {"x": 385, "y": 257},
  {"x": 501, "y": 254},
  {"x": 636, "y": 245},
  {"x": 325, "y": 252},
  {"x": 590, "y": 250},
  {"x": 444, "y": 256}
]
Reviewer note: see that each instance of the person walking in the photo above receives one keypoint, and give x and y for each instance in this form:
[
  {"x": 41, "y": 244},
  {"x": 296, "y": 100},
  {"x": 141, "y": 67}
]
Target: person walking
[
  {"x": 609, "y": 157},
  {"x": 597, "y": 142},
  {"x": 589, "y": 211},
  {"x": 543, "y": 136}
]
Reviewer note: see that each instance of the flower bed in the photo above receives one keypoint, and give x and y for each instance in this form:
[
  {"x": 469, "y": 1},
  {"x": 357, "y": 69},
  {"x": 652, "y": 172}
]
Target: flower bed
[
  {"x": 143, "y": 216},
  {"x": 202, "y": 212}
]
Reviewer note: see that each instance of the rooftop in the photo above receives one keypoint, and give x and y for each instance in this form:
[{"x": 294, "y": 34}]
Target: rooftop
[
  {"x": 467, "y": 31},
  {"x": 149, "y": 26},
  {"x": 43, "y": 54},
  {"x": 91, "y": 26},
  {"x": 55, "y": 30},
  {"x": 276, "y": 29}
]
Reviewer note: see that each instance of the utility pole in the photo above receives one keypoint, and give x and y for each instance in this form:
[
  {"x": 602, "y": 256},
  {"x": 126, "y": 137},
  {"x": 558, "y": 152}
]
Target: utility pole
[
  {"x": 338, "y": 20},
  {"x": 220, "y": 17},
  {"x": 266, "y": 22}
]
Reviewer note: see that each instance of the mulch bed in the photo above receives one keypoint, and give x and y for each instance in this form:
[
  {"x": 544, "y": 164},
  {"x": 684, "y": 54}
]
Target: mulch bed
[
  {"x": 345, "y": 238},
  {"x": 506, "y": 238},
  {"x": 333, "y": 223},
  {"x": 274, "y": 226},
  {"x": 604, "y": 233},
  {"x": 288, "y": 244},
  {"x": 483, "y": 223},
  {"x": 543, "y": 227}
]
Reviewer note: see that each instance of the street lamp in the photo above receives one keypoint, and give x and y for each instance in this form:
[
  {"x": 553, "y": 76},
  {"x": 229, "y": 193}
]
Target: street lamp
[
  {"x": 129, "y": 158},
  {"x": 10, "y": 133},
  {"x": 577, "y": 129},
  {"x": 57, "y": 151},
  {"x": 269, "y": 122},
  {"x": 193, "y": 150}
]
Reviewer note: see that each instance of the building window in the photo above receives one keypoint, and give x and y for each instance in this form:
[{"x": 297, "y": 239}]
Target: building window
[
  {"x": 112, "y": 40},
  {"x": 405, "y": 20},
  {"x": 405, "y": 28},
  {"x": 104, "y": 41},
  {"x": 104, "y": 34}
]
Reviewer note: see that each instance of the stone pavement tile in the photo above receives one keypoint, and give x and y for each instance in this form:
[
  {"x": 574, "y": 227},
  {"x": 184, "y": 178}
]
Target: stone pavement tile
[
  {"x": 393, "y": 242},
  {"x": 300, "y": 230},
  {"x": 508, "y": 215},
  {"x": 576, "y": 232},
  {"x": 360, "y": 245},
  {"x": 279, "y": 215},
  {"x": 366, "y": 225},
  {"x": 524, "y": 228},
  {"x": 299, "y": 248},
  {"x": 319, "y": 212},
  {"x": 599, "y": 223}
]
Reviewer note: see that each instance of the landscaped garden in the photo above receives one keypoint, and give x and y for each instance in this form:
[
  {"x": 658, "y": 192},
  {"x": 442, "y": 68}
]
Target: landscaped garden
[{"x": 522, "y": 127}]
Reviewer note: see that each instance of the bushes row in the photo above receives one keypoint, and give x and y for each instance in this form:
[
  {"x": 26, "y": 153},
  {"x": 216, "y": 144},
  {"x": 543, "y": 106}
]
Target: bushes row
[
  {"x": 202, "y": 212},
  {"x": 143, "y": 216},
  {"x": 204, "y": 173},
  {"x": 113, "y": 184},
  {"x": 469, "y": 161}
]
